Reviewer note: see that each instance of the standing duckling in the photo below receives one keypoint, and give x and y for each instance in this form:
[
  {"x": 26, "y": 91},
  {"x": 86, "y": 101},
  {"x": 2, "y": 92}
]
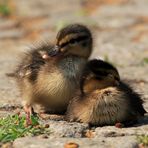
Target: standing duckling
[
  {"x": 50, "y": 74},
  {"x": 103, "y": 99}
]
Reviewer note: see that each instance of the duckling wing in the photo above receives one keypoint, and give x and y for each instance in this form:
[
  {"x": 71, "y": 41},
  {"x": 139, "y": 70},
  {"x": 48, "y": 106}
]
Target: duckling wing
[
  {"x": 135, "y": 99},
  {"x": 31, "y": 62}
]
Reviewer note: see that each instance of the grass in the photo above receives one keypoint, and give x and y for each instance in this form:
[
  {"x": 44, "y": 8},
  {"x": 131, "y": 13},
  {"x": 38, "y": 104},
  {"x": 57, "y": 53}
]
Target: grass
[
  {"x": 143, "y": 139},
  {"x": 145, "y": 60},
  {"x": 5, "y": 10},
  {"x": 12, "y": 127}
]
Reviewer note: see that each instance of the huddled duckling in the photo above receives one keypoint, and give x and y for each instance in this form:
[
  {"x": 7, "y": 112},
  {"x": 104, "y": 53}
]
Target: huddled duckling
[
  {"x": 103, "y": 98},
  {"x": 50, "y": 74}
]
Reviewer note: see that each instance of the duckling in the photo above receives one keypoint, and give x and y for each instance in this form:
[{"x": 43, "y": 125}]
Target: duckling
[
  {"x": 50, "y": 74},
  {"x": 103, "y": 99}
]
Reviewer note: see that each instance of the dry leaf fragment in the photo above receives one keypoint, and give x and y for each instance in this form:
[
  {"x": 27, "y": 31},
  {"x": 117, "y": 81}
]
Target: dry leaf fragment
[{"x": 71, "y": 145}]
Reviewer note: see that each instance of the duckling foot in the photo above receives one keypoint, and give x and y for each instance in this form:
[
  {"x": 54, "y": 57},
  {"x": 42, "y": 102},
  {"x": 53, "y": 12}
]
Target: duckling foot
[
  {"x": 119, "y": 125},
  {"x": 125, "y": 124},
  {"x": 29, "y": 111}
]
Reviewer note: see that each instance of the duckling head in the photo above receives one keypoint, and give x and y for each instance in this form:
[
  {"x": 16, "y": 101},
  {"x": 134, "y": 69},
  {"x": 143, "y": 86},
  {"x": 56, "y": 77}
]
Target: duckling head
[
  {"x": 98, "y": 74},
  {"x": 74, "y": 40}
]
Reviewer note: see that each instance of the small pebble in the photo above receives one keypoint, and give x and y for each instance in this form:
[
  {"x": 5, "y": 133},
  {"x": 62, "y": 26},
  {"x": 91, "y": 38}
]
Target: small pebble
[
  {"x": 46, "y": 125},
  {"x": 89, "y": 134}
]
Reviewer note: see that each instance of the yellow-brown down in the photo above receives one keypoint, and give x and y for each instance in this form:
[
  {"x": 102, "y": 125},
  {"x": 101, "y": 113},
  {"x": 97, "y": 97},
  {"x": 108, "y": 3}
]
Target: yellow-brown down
[
  {"x": 50, "y": 74},
  {"x": 104, "y": 99}
]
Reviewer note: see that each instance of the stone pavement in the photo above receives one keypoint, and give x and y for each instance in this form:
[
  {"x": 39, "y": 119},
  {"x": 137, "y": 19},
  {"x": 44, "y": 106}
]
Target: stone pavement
[{"x": 120, "y": 30}]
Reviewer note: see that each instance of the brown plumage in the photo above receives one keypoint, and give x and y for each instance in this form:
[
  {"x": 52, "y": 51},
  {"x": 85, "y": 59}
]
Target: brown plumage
[
  {"x": 49, "y": 75},
  {"x": 104, "y": 99}
]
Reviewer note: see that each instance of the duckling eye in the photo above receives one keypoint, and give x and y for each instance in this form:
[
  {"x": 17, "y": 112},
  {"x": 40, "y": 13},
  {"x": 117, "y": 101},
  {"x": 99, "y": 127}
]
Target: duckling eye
[{"x": 72, "y": 42}]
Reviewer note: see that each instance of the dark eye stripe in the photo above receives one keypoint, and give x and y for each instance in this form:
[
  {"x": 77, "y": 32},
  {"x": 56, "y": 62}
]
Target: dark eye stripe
[{"x": 81, "y": 38}]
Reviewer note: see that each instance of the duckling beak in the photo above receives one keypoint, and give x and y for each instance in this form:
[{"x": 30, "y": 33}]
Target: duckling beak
[{"x": 54, "y": 51}]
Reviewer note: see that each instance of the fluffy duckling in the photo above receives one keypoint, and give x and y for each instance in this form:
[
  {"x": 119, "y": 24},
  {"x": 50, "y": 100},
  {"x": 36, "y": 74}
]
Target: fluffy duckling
[
  {"x": 49, "y": 75},
  {"x": 104, "y": 99}
]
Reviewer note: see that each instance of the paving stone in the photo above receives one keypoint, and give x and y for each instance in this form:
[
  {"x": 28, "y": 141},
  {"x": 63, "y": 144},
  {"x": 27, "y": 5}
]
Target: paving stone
[
  {"x": 65, "y": 129},
  {"x": 13, "y": 34},
  {"x": 122, "y": 142}
]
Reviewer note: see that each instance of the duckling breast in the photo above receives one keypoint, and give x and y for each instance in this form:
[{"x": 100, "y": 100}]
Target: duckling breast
[
  {"x": 71, "y": 67},
  {"x": 56, "y": 84}
]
